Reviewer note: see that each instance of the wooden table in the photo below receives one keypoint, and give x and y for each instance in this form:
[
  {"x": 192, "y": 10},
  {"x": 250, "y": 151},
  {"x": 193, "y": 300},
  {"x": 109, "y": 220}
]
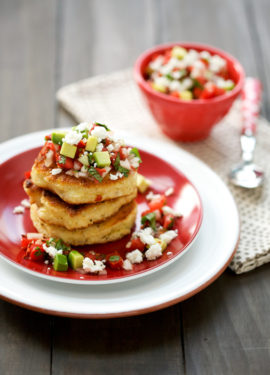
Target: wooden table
[{"x": 44, "y": 45}]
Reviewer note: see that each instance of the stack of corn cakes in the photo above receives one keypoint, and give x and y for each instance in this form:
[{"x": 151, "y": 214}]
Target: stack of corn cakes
[{"x": 83, "y": 186}]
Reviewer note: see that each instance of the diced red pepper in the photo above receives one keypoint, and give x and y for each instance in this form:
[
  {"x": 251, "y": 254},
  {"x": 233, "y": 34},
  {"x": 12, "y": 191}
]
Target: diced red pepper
[
  {"x": 136, "y": 243},
  {"x": 37, "y": 253},
  {"x": 157, "y": 203},
  {"x": 68, "y": 162},
  {"x": 81, "y": 144},
  {"x": 27, "y": 175},
  {"x": 114, "y": 260},
  {"x": 168, "y": 221},
  {"x": 122, "y": 154},
  {"x": 25, "y": 242}
]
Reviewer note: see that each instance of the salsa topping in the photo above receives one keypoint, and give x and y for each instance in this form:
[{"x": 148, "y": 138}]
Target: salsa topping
[
  {"x": 89, "y": 151},
  {"x": 189, "y": 74}
]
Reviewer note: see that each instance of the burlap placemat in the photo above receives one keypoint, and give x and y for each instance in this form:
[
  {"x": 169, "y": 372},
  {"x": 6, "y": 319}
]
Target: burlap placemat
[{"x": 115, "y": 99}]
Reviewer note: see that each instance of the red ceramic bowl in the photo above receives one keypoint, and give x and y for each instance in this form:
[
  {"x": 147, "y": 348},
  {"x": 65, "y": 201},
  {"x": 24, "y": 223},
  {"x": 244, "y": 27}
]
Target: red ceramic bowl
[{"x": 188, "y": 120}]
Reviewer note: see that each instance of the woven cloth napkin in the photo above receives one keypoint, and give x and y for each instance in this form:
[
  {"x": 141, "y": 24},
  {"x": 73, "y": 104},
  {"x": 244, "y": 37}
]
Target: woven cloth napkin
[{"x": 115, "y": 99}]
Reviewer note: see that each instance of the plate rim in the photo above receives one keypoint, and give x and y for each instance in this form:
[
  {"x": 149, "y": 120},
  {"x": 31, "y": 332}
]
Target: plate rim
[
  {"x": 153, "y": 307},
  {"x": 126, "y": 278}
]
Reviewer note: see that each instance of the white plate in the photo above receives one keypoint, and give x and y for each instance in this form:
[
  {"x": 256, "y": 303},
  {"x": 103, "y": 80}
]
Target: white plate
[{"x": 203, "y": 263}]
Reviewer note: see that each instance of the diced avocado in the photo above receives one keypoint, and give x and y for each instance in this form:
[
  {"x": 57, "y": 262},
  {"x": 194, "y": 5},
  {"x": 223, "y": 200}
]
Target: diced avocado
[
  {"x": 57, "y": 137},
  {"x": 60, "y": 263},
  {"x": 158, "y": 87},
  {"x": 75, "y": 259},
  {"x": 68, "y": 150},
  {"x": 84, "y": 159},
  {"x": 179, "y": 52},
  {"x": 102, "y": 159},
  {"x": 185, "y": 95},
  {"x": 91, "y": 143},
  {"x": 162, "y": 243},
  {"x": 142, "y": 183}
]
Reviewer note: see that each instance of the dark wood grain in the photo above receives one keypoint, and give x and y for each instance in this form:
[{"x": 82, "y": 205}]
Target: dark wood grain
[{"x": 27, "y": 45}]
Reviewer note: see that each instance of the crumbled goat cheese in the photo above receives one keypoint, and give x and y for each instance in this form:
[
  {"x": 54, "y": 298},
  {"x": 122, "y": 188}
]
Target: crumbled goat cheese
[
  {"x": 83, "y": 126},
  {"x": 93, "y": 266},
  {"x": 110, "y": 147},
  {"x": 72, "y": 137},
  {"x": 168, "y": 210},
  {"x": 113, "y": 177},
  {"x": 83, "y": 174},
  {"x": 127, "y": 265},
  {"x": 99, "y": 147},
  {"x": 125, "y": 164},
  {"x": 150, "y": 196},
  {"x": 84, "y": 169},
  {"x": 205, "y": 55},
  {"x": 70, "y": 172},
  {"x": 135, "y": 256},
  {"x": 168, "y": 236},
  {"x": 49, "y": 158},
  {"x": 18, "y": 210},
  {"x": 52, "y": 251},
  {"x": 99, "y": 132},
  {"x": 46, "y": 261},
  {"x": 25, "y": 203},
  {"x": 134, "y": 162},
  {"x": 169, "y": 253},
  {"x": 56, "y": 171},
  {"x": 169, "y": 192},
  {"x": 157, "y": 63},
  {"x": 216, "y": 63},
  {"x": 187, "y": 83},
  {"x": 154, "y": 252},
  {"x": 146, "y": 237}
]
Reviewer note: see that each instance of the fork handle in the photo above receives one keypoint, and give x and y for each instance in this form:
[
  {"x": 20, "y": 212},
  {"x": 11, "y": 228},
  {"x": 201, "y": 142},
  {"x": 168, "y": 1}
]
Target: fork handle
[{"x": 251, "y": 102}]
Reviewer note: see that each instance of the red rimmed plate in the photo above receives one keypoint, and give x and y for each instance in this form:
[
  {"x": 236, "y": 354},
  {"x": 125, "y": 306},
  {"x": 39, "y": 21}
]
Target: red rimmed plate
[{"x": 163, "y": 175}]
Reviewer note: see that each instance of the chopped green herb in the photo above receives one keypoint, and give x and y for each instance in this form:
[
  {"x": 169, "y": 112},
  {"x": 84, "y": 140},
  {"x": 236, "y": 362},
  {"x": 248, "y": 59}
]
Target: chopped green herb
[
  {"x": 38, "y": 252},
  {"x": 135, "y": 152},
  {"x": 151, "y": 219},
  {"x": 104, "y": 126},
  {"x": 62, "y": 159},
  {"x": 119, "y": 168},
  {"x": 114, "y": 258},
  {"x": 94, "y": 173},
  {"x": 169, "y": 76},
  {"x": 196, "y": 83}
]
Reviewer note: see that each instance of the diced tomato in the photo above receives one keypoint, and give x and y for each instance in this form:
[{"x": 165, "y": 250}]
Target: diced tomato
[
  {"x": 168, "y": 221},
  {"x": 66, "y": 163},
  {"x": 167, "y": 57},
  {"x": 219, "y": 91},
  {"x": 114, "y": 260},
  {"x": 206, "y": 62},
  {"x": 90, "y": 255},
  {"x": 122, "y": 154},
  {"x": 81, "y": 144},
  {"x": 208, "y": 91},
  {"x": 223, "y": 73},
  {"x": 77, "y": 165},
  {"x": 48, "y": 137},
  {"x": 201, "y": 80},
  {"x": 50, "y": 145},
  {"x": 157, "y": 203},
  {"x": 136, "y": 243},
  {"x": 107, "y": 142},
  {"x": 158, "y": 215},
  {"x": 197, "y": 92},
  {"x": 175, "y": 94},
  {"x": 25, "y": 242},
  {"x": 101, "y": 170},
  {"x": 113, "y": 157},
  {"x": 37, "y": 253},
  {"x": 27, "y": 175}
]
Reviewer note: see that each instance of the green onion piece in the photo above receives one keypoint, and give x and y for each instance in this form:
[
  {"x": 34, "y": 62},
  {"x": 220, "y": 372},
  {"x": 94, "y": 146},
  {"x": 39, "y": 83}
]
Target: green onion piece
[
  {"x": 62, "y": 159},
  {"x": 135, "y": 152},
  {"x": 114, "y": 258},
  {"x": 94, "y": 173},
  {"x": 104, "y": 126},
  {"x": 151, "y": 218}
]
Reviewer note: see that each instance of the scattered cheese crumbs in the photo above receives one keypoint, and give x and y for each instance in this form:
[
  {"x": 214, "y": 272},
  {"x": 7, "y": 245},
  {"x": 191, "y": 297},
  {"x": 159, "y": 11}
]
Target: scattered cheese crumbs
[
  {"x": 110, "y": 148},
  {"x": 146, "y": 237},
  {"x": 83, "y": 126},
  {"x": 72, "y": 137},
  {"x": 168, "y": 236},
  {"x": 127, "y": 265},
  {"x": 169, "y": 192},
  {"x": 51, "y": 250},
  {"x": 46, "y": 261},
  {"x": 168, "y": 210},
  {"x": 125, "y": 164},
  {"x": 25, "y": 203},
  {"x": 56, "y": 171},
  {"x": 154, "y": 252},
  {"x": 113, "y": 177},
  {"x": 93, "y": 266},
  {"x": 99, "y": 132},
  {"x": 150, "y": 196},
  {"x": 18, "y": 210},
  {"x": 128, "y": 245},
  {"x": 135, "y": 256},
  {"x": 99, "y": 147},
  {"x": 169, "y": 253}
]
